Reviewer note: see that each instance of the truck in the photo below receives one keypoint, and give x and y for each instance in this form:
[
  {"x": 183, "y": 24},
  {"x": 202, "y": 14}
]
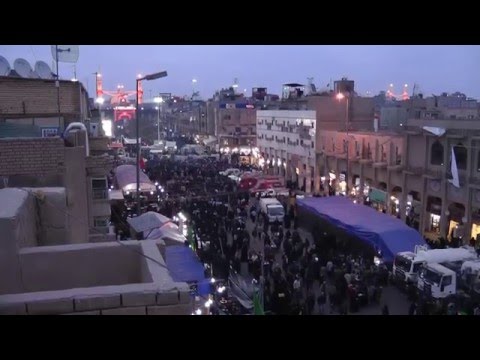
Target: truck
[
  {"x": 445, "y": 280},
  {"x": 407, "y": 264},
  {"x": 258, "y": 183},
  {"x": 272, "y": 210}
]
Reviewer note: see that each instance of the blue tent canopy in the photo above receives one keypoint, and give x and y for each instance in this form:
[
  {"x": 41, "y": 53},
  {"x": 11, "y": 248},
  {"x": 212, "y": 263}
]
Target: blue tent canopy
[
  {"x": 381, "y": 231},
  {"x": 183, "y": 264}
]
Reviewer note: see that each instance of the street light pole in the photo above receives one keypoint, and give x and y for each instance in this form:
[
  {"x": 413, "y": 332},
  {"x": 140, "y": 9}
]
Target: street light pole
[
  {"x": 137, "y": 135},
  {"x": 341, "y": 96},
  {"x": 137, "y": 128}
]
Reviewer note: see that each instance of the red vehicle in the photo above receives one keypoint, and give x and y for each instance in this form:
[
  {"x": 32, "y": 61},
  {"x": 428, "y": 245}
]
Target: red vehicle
[{"x": 255, "y": 184}]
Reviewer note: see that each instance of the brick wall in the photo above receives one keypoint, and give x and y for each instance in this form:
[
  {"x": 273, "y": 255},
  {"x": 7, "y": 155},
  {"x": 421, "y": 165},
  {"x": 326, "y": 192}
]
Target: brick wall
[
  {"x": 99, "y": 165},
  {"x": 38, "y": 96},
  {"x": 38, "y": 156}
]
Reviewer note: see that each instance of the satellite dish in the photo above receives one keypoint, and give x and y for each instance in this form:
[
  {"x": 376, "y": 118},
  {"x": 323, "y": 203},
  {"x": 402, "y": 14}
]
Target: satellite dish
[
  {"x": 22, "y": 68},
  {"x": 65, "y": 53},
  {"x": 4, "y": 67},
  {"x": 43, "y": 70}
]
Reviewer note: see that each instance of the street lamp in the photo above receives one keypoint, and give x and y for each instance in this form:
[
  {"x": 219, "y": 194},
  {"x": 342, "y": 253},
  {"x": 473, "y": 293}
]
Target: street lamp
[
  {"x": 340, "y": 96},
  {"x": 158, "y": 100},
  {"x": 153, "y": 76}
]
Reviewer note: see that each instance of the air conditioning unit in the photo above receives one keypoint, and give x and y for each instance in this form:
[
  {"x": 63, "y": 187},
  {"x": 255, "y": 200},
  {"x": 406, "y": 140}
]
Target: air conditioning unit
[{"x": 94, "y": 129}]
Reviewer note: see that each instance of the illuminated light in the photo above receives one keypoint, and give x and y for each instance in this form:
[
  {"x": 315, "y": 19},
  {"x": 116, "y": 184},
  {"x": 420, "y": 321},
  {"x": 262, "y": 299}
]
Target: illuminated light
[
  {"x": 406, "y": 85},
  {"x": 151, "y": 192},
  {"x": 127, "y": 192},
  {"x": 194, "y": 81},
  {"x": 208, "y": 303},
  {"x": 109, "y": 190},
  {"x": 396, "y": 201},
  {"x": 74, "y": 80},
  {"x": 156, "y": 183},
  {"x": 100, "y": 100},
  {"x": 340, "y": 96},
  {"x": 111, "y": 187},
  {"x": 198, "y": 312},
  {"x": 221, "y": 289},
  {"x": 99, "y": 75},
  {"x": 391, "y": 85},
  {"x": 409, "y": 203},
  {"x": 107, "y": 127},
  {"x": 392, "y": 198},
  {"x": 161, "y": 190},
  {"x": 279, "y": 162},
  {"x": 212, "y": 280},
  {"x": 139, "y": 76},
  {"x": 354, "y": 201}
]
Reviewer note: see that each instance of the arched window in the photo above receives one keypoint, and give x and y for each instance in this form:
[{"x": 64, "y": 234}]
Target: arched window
[
  {"x": 478, "y": 161},
  {"x": 461, "y": 155},
  {"x": 436, "y": 153}
]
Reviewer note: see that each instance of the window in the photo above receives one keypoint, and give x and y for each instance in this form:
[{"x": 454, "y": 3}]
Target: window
[
  {"x": 478, "y": 161},
  {"x": 298, "y": 141},
  {"x": 384, "y": 154},
  {"x": 398, "y": 157},
  {"x": 333, "y": 145},
  {"x": 436, "y": 153},
  {"x": 226, "y": 117},
  {"x": 238, "y": 130},
  {"x": 100, "y": 221},
  {"x": 447, "y": 280},
  {"x": 369, "y": 152},
  {"x": 357, "y": 148},
  {"x": 99, "y": 188},
  {"x": 269, "y": 127},
  {"x": 461, "y": 156}
]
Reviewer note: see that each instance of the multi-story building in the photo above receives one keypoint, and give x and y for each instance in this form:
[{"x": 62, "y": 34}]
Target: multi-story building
[
  {"x": 444, "y": 209},
  {"x": 191, "y": 118},
  {"x": 47, "y": 162},
  {"x": 369, "y": 162},
  {"x": 286, "y": 141},
  {"x": 41, "y": 106}
]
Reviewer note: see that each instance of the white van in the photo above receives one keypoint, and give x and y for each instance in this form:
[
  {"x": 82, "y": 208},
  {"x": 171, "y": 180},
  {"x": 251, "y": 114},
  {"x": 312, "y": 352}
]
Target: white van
[{"x": 272, "y": 209}]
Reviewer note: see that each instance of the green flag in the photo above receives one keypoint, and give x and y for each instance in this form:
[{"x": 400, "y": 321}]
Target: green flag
[{"x": 257, "y": 305}]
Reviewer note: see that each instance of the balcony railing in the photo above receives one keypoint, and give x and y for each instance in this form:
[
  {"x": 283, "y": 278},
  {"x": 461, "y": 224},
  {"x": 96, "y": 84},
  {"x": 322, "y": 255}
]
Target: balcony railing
[{"x": 100, "y": 194}]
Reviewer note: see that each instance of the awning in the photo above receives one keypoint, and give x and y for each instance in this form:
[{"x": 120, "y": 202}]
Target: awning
[
  {"x": 380, "y": 231},
  {"x": 148, "y": 221},
  {"x": 183, "y": 264}
]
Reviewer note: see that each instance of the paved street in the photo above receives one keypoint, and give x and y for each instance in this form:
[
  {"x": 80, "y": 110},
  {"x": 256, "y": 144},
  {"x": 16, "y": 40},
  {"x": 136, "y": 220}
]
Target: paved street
[{"x": 397, "y": 301}]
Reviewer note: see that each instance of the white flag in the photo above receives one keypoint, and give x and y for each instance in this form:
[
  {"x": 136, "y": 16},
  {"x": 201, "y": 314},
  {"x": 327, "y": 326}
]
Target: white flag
[{"x": 454, "y": 169}]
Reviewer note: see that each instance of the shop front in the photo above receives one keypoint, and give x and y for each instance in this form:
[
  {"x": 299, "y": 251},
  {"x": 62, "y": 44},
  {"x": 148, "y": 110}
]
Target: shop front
[
  {"x": 456, "y": 220},
  {"x": 395, "y": 199},
  {"x": 475, "y": 231},
  {"x": 377, "y": 199},
  {"x": 434, "y": 213},
  {"x": 413, "y": 209}
]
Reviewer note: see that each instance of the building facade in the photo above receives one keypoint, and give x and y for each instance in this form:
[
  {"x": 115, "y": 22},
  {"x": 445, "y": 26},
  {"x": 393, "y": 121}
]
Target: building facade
[
  {"x": 445, "y": 209},
  {"x": 47, "y": 162},
  {"x": 286, "y": 142},
  {"x": 38, "y": 103},
  {"x": 370, "y": 163}
]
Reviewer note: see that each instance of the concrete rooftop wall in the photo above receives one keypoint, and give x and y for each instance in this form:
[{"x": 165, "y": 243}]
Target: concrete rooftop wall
[
  {"x": 157, "y": 295},
  {"x": 17, "y": 229},
  {"x": 80, "y": 266}
]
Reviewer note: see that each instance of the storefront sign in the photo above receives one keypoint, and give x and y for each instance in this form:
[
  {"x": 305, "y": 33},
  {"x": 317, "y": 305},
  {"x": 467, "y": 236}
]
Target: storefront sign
[{"x": 377, "y": 196}]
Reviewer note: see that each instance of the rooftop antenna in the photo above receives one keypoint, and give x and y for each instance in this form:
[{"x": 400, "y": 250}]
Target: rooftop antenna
[
  {"x": 22, "y": 68},
  {"x": 43, "y": 70},
  {"x": 4, "y": 67},
  {"x": 63, "y": 53}
]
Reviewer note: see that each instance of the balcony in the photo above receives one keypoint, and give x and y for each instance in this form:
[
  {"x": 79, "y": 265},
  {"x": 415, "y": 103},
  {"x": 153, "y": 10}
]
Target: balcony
[
  {"x": 474, "y": 182},
  {"x": 412, "y": 170},
  {"x": 366, "y": 161},
  {"x": 100, "y": 194},
  {"x": 380, "y": 164},
  {"x": 395, "y": 167},
  {"x": 433, "y": 174}
]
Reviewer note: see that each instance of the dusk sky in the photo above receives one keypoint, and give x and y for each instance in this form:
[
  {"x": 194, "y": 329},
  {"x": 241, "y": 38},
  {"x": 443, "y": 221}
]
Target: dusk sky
[{"x": 435, "y": 69}]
